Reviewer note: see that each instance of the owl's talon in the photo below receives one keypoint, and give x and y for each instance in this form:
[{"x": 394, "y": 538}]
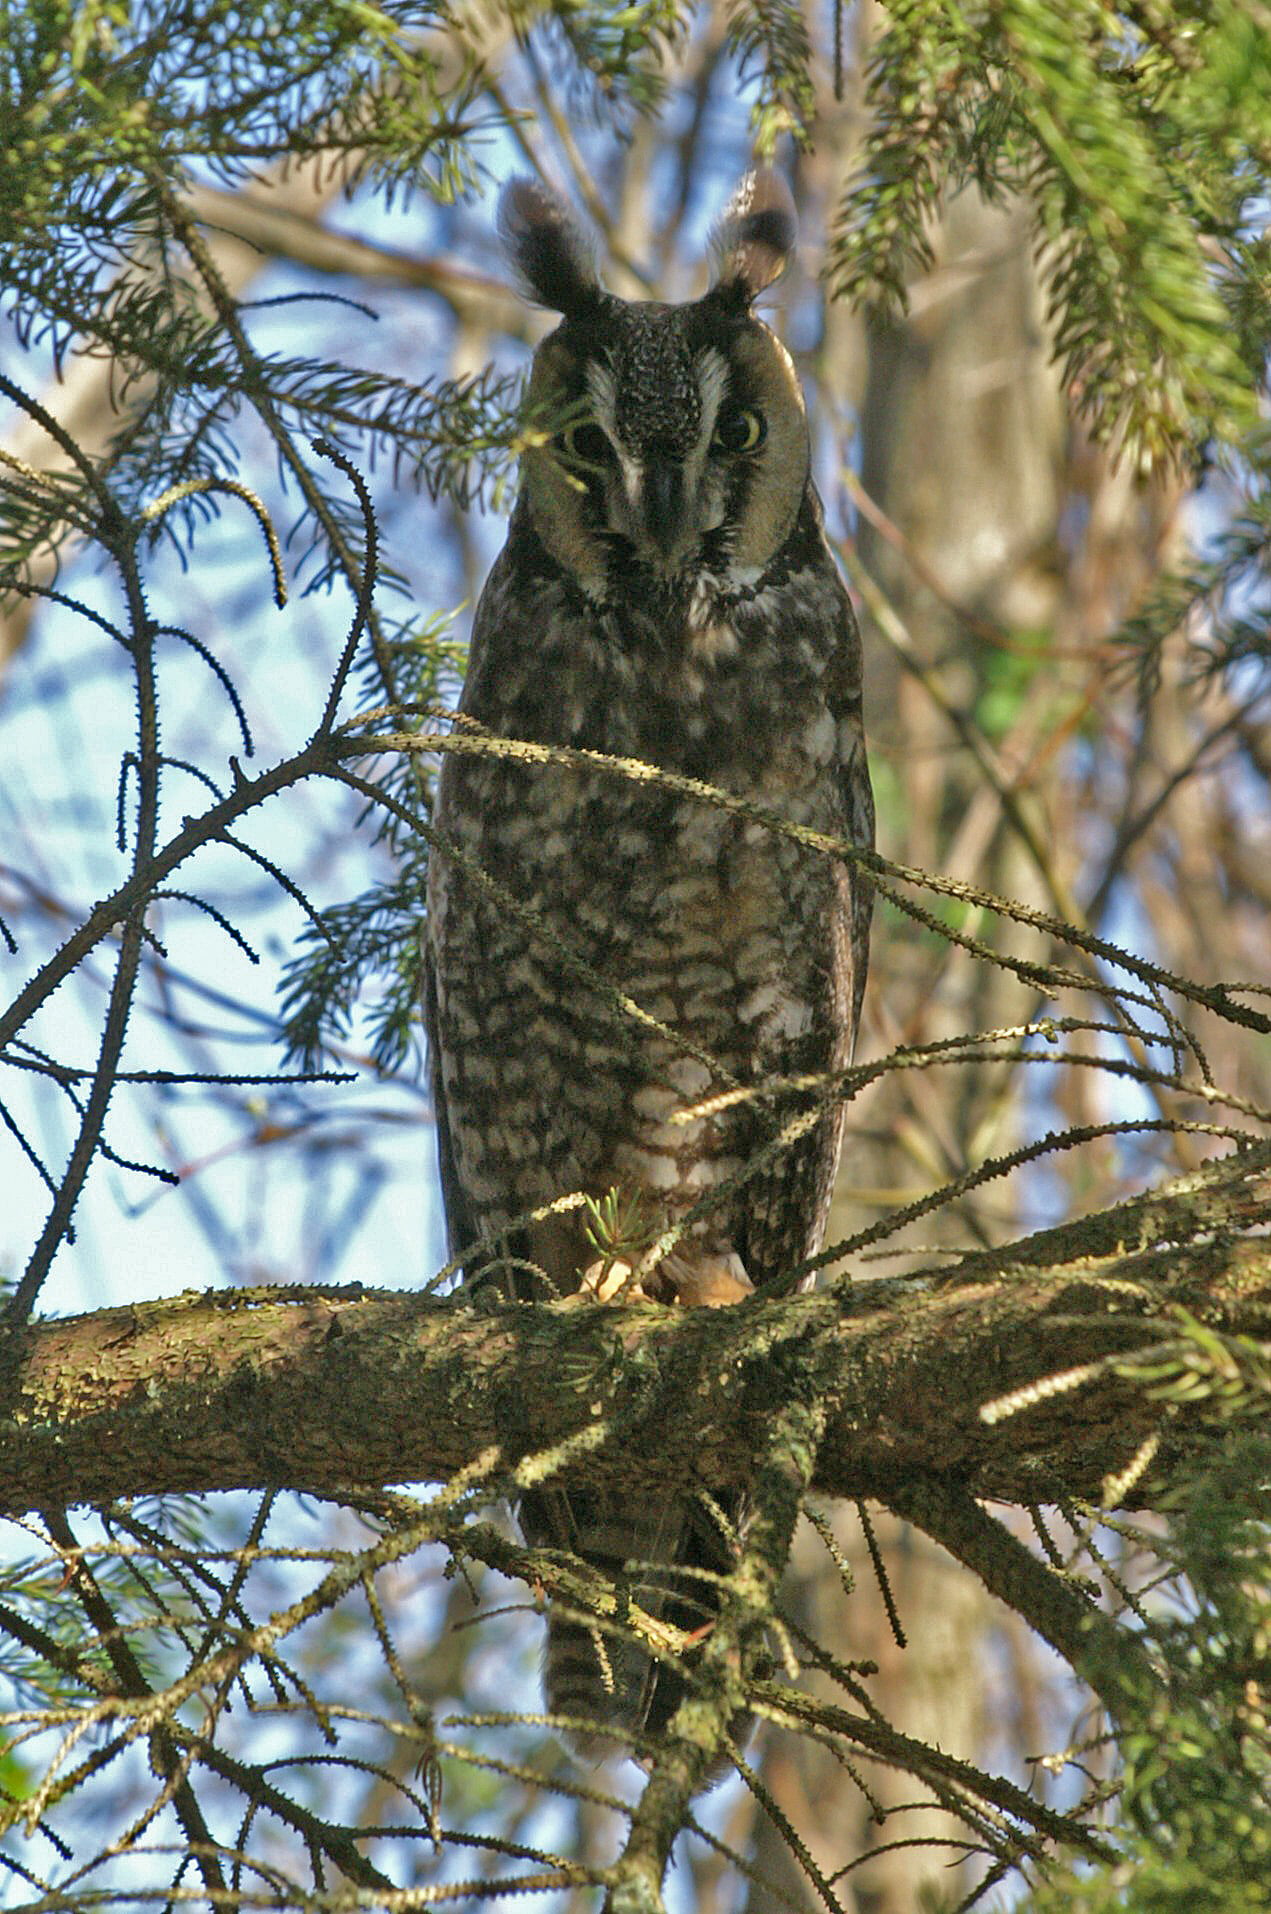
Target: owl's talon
[
  {"x": 609, "y": 1281},
  {"x": 707, "y": 1282}
]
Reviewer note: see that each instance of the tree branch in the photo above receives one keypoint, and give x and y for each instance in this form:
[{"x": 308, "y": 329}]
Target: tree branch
[{"x": 324, "y": 1389}]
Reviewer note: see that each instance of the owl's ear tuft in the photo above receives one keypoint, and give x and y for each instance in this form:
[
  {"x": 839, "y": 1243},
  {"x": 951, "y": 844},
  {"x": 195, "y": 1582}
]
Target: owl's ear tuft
[
  {"x": 755, "y": 235},
  {"x": 548, "y": 248}
]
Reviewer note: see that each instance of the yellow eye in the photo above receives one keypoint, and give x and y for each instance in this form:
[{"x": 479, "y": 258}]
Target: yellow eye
[
  {"x": 737, "y": 429},
  {"x": 584, "y": 443}
]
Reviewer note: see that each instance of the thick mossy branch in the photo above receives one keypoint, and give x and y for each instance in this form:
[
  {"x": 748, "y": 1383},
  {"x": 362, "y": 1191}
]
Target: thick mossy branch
[{"x": 1074, "y": 1343}]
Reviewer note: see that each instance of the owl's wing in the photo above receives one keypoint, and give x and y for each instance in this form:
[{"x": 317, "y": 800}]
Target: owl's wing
[
  {"x": 460, "y": 1226},
  {"x": 858, "y": 811},
  {"x": 784, "y": 1209}
]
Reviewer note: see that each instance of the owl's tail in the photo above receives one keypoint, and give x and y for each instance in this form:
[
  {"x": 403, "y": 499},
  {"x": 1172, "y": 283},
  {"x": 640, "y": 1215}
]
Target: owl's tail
[{"x": 596, "y": 1675}]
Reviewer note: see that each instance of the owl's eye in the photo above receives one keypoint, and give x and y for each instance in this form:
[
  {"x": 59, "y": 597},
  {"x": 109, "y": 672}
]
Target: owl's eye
[
  {"x": 585, "y": 443},
  {"x": 737, "y": 429}
]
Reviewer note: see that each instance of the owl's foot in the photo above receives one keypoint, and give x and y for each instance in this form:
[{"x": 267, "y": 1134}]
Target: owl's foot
[
  {"x": 608, "y": 1280},
  {"x": 706, "y": 1282},
  {"x": 695, "y": 1282}
]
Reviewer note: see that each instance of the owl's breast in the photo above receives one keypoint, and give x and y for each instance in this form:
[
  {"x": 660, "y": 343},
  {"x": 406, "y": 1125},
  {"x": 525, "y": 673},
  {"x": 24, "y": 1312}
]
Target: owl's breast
[
  {"x": 632, "y": 945},
  {"x": 709, "y": 918}
]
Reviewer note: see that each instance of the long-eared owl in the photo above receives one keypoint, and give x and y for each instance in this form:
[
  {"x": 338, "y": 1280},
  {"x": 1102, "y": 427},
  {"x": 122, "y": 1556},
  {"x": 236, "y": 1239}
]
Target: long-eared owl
[{"x": 665, "y": 594}]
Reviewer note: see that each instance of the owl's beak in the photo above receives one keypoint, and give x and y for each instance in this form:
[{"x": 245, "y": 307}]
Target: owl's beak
[{"x": 662, "y": 501}]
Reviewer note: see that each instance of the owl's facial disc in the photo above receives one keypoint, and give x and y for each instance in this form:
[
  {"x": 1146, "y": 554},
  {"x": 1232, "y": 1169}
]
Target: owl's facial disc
[{"x": 684, "y": 457}]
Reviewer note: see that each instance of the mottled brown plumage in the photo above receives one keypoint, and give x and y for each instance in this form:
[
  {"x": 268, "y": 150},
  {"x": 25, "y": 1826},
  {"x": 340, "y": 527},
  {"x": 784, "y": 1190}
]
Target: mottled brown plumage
[{"x": 665, "y": 594}]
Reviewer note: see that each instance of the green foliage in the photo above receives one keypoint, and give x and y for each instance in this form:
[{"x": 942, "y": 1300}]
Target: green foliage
[
  {"x": 770, "y": 40},
  {"x": 1009, "y": 672},
  {"x": 46, "y": 1653},
  {"x": 376, "y": 936},
  {"x": 616, "y": 54},
  {"x": 620, "y": 1227},
  {"x": 1196, "y": 1798},
  {"x": 108, "y": 116},
  {"x": 1195, "y": 1825},
  {"x": 919, "y": 85},
  {"x": 1219, "y": 604},
  {"x": 1142, "y": 136},
  {"x": 97, "y": 93}
]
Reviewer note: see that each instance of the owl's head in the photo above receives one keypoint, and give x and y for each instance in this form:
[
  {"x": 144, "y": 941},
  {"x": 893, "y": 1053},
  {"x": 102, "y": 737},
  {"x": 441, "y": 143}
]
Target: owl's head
[{"x": 683, "y": 457}]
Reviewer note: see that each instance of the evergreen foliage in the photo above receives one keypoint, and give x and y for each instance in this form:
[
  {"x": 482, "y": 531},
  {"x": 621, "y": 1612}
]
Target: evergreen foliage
[
  {"x": 1140, "y": 136},
  {"x": 1143, "y": 137},
  {"x": 1197, "y": 1763}
]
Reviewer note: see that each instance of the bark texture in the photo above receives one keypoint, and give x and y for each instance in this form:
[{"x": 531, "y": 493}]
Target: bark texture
[{"x": 324, "y": 1390}]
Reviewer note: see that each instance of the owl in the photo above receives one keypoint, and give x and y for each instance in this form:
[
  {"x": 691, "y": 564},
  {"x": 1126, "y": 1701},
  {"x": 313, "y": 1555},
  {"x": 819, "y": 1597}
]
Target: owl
[{"x": 605, "y": 954}]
